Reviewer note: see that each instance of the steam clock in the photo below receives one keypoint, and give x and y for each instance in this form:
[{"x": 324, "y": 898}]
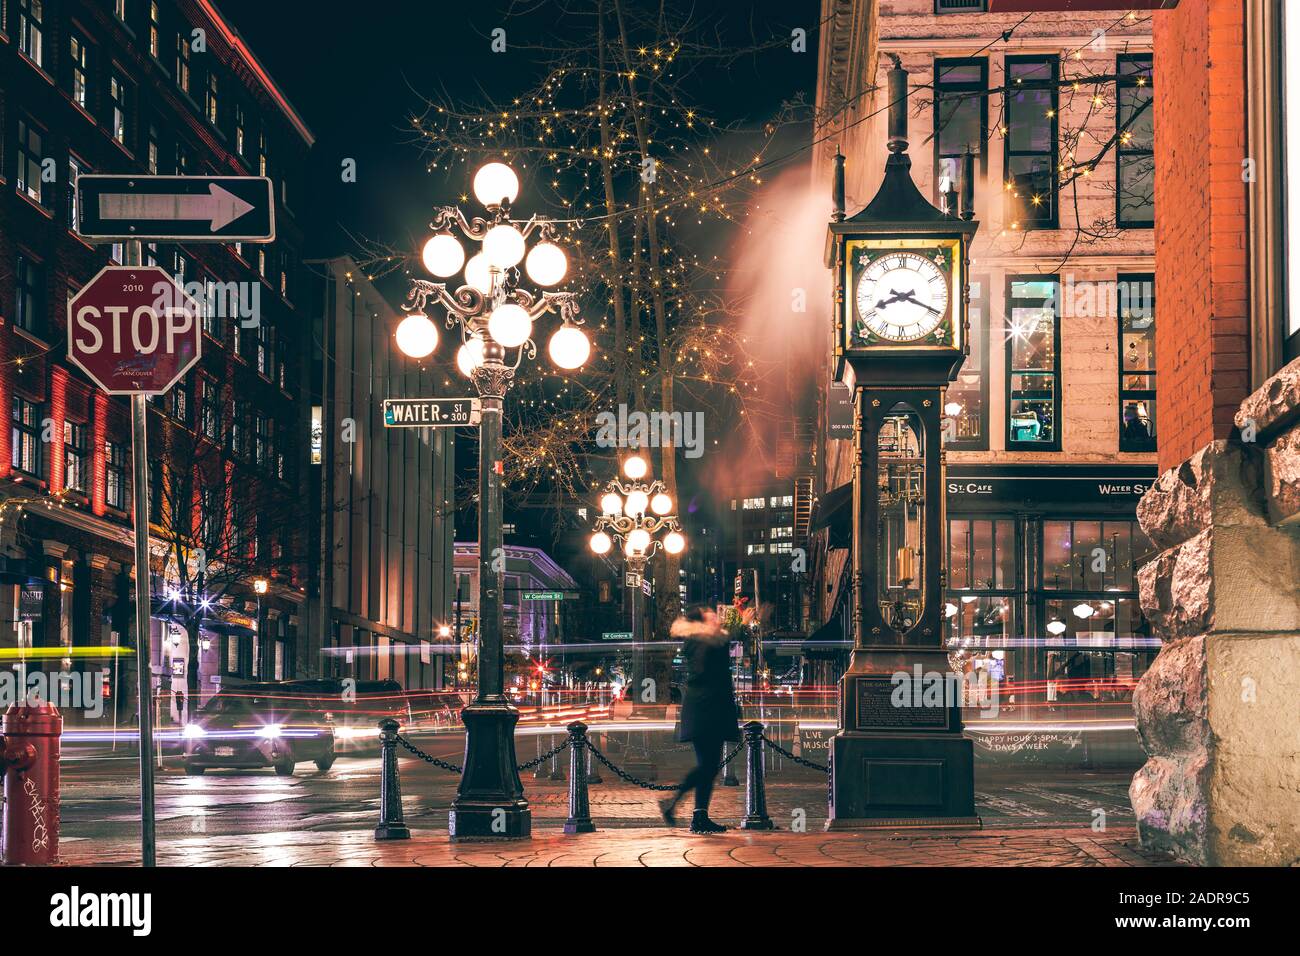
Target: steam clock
[{"x": 900, "y": 275}]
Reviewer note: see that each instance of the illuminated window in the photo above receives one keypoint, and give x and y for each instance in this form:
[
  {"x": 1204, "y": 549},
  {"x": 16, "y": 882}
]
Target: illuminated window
[
  {"x": 30, "y": 155},
  {"x": 31, "y": 23},
  {"x": 1033, "y": 337},
  {"x": 183, "y": 60},
  {"x": 1030, "y": 142},
  {"x": 1136, "y": 300},
  {"x": 79, "y": 57},
  {"x": 115, "y": 475},
  {"x": 965, "y": 406}
]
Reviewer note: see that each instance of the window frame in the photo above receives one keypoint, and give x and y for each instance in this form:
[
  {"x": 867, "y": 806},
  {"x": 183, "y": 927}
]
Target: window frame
[
  {"x": 1009, "y": 372},
  {"x": 30, "y": 295},
  {"x": 76, "y": 448},
  {"x": 23, "y": 155},
  {"x": 985, "y": 349},
  {"x": 1147, "y": 395},
  {"x": 1053, "y": 86},
  {"x": 982, "y": 90},
  {"x": 1122, "y": 83},
  {"x": 29, "y": 26},
  {"x": 116, "y": 468},
  {"x": 31, "y": 431}
]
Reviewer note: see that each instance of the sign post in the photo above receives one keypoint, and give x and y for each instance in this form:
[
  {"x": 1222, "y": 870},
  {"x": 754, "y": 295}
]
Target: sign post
[{"x": 134, "y": 331}]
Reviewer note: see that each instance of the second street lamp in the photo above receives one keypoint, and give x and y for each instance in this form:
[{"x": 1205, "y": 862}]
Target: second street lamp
[
  {"x": 494, "y": 316},
  {"x": 633, "y": 512}
]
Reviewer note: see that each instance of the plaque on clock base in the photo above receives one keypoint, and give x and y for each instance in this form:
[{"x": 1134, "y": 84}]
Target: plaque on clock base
[{"x": 900, "y": 759}]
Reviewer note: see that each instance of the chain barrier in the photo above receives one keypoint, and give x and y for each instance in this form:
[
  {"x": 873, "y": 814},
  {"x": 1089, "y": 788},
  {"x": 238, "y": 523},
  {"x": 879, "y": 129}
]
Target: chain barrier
[
  {"x": 538, "y": 761},
  {"x": 627, "y": 776},
  {"x": 732, "y": 756},
  {"x": 789, "y": 756},
  {"x": 429, "y": 758}
]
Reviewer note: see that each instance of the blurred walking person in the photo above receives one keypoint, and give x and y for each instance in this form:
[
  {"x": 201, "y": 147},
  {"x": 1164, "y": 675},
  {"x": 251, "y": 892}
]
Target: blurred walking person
[{"x": 709, "y": 712}]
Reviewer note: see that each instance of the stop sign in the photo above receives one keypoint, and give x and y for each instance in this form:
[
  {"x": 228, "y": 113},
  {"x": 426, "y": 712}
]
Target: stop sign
[{"x": 133, "y": 329}]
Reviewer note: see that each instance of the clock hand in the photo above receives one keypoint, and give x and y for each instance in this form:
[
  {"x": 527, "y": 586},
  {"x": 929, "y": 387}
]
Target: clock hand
[{"x": 911, "y": 297}]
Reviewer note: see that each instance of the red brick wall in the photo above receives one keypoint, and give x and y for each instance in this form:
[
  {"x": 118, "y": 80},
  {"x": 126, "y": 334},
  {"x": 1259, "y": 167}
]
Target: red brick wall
[{"x": 1200, "y": 128}]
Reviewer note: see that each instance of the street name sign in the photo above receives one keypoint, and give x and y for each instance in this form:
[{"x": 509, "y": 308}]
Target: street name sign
[
  {"x": 186, "y": 208},
  {"x": 133, "y": 330},
  {"x": 543, "y": 595},
  {"x": 431, "y": 412},
  {"x": 616, "y": 636}
]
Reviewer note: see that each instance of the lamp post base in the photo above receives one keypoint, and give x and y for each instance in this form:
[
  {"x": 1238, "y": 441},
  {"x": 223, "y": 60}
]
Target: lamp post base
[{"x": 490, "y": 803}]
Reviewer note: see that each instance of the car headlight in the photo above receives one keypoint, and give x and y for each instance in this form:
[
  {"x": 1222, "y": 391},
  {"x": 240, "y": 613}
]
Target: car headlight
[
  {"x": 193, "y": 731},
  {"x": 270, "y": 732}
]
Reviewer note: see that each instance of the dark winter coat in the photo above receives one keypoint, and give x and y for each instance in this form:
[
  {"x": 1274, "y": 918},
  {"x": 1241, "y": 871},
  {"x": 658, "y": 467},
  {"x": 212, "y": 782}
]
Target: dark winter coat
[{"x": 709, "y": 710}]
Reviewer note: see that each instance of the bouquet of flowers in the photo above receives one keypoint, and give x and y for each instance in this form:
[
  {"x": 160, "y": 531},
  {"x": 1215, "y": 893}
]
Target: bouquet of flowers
[{"x": 738, "y": 619}]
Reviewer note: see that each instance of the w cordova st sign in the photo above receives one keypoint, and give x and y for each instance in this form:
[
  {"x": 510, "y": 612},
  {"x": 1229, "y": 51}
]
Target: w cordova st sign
[{"x": 132, "y": 329}]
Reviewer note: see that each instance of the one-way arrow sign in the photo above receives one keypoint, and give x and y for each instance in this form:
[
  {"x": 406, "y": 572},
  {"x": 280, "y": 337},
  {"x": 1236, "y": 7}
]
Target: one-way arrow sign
[{"x": 189, "y": 208}]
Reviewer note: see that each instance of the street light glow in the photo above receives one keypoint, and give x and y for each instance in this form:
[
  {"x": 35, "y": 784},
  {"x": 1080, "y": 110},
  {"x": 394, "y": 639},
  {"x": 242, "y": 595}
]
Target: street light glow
[
  {"x": 635, "y": 467},
  {"x": 569, "y": 347},
  {"x": 443, "y": 255},
  {"x": 638, "y": 541},
  {"x": 470, "y": 356},
  {"x": 546, "y": 264},
  {"x": 636, "y": 504},
  {"x": 504, "y": 246},
  {"x": 510, "y": 325},
  {"x": 417, "y": 336},
  {"x": 611, "y": 504},
  {"x": 661, "y": 504},
  {"x": 478, "y": 273},
  {"x": 495, "y": 183},
  {"x": 601, "y": 543},
  {"x": 674, "y": 542}
]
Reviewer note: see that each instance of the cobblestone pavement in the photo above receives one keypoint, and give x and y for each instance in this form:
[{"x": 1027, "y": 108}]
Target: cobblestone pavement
[{"x": 1078, "y": 847}]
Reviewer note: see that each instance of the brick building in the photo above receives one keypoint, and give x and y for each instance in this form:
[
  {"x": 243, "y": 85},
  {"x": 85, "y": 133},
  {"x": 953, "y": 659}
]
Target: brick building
[
  {"x": 1217, "y": 709},
  {"x": 1051, "y": 429},
  {"x": 166, "y": 87}
]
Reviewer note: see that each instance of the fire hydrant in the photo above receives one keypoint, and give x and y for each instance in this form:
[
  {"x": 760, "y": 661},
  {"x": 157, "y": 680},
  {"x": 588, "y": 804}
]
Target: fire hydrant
[{"x": 29, "y": 756}]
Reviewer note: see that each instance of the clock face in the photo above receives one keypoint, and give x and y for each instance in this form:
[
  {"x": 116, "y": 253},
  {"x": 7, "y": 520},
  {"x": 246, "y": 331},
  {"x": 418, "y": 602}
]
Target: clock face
[{"x": 901, "y": 296}]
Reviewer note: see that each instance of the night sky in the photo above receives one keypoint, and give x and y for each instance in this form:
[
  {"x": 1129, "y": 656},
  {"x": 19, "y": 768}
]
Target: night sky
[{"x": 357, "y": 73}]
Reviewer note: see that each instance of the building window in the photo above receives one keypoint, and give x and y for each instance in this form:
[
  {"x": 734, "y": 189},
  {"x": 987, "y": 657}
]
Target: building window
[
  {"x": 182, "y": 159},
  {"x": 75, "y": 168},
  {"x": 74, "y": 456},
  {"x": 29, "y": 162},
  {"x": 966, "y": 404},
  {"x": 239, "y": 130},
  {"x": 263, "y": 442},
  {"x": 981, "y": 579},
  {"x": 25, "y": 436},
  {"x": 153, "y": 29},
  {"x": 117, "y": 94},
  {"x": 1136, "y": 301},
  {"x": 961, "y": 120},
  {"x": 751, "y": 504},
  {"x": 151, "y": 151},
  {"x": 1031, "y": 142},
  {"x": 183, "y": 60},
  {"x": 31, "y": 23},
  {"x": 79, "y": 57},
  {"x": 239, "y": 428},
  {"x": 115, "y": 475},
  {"x": 119, "y": 9},
  {"x": 208, "y": 409},
  {"x": 212, "y": 99},
  {"x": 29, "y": 290},
  {"x": 1135, "y": 199},
  {"x": 263, "y": 348},
  {"x": 180, "y": 401},
  {"x": 261, "y": 154},
  {"x": 1033, "y": 364}
]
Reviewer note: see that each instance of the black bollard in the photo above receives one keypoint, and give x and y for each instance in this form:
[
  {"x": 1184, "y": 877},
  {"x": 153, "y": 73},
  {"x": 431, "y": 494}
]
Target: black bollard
[
  {"x": 728, "y": 771},
  {"x": 579, "y": 805},
  {"x": 756, "y": 817},
  {"x": 391, "y": 825}
]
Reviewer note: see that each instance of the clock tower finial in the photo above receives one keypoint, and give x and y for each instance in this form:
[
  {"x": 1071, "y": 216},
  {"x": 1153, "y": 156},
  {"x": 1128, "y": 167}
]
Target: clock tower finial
[{"x": 897, "y": 106}]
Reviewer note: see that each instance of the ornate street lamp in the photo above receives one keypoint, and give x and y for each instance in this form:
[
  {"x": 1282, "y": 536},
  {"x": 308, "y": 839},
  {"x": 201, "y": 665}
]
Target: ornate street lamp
[
  {"x": 494, "y": 315},
  {"x": 633, "y": 512}
]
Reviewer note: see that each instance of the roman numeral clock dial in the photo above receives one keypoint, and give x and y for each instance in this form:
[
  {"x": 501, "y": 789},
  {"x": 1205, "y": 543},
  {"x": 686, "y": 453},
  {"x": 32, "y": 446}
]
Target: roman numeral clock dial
[{"x": 902, "y": 297}]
